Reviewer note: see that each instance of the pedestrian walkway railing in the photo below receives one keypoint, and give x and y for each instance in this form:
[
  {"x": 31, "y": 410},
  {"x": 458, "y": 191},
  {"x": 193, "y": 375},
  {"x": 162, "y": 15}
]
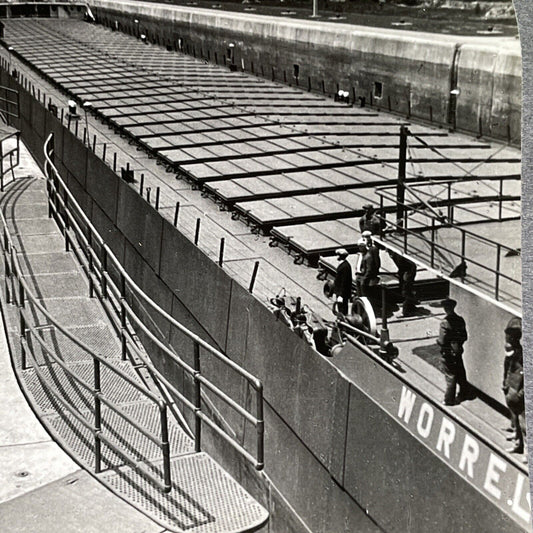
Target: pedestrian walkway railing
[
  {"x": 9, "y": 156},
  {"x": 120, "y": 295},
  {"x": 19, "y": 293}
]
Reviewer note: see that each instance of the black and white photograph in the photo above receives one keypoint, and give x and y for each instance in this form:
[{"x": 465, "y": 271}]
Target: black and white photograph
[{"x": 264, "y": 266}]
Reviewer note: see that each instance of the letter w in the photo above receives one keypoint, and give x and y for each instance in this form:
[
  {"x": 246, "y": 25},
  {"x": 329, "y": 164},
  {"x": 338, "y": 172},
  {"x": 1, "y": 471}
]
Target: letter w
[{"x": 407, "y": 402}]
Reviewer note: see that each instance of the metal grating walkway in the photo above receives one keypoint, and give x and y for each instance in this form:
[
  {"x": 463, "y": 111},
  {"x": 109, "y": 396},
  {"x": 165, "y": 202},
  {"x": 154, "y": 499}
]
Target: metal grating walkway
[{"x": 204, "y": 498}]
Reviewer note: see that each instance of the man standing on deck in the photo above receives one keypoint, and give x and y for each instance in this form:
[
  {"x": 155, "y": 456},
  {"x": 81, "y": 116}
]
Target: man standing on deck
[
  {"x": 452, "y": 336},
  {"x": 513, "y": 385},
  {"x": 370, "y": 221},
  {"x": 406, "y": 278},
  {"x": 342, "y": 287}
]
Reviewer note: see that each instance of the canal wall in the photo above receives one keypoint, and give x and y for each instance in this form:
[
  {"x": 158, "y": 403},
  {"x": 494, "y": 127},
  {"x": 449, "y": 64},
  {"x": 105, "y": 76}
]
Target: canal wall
[
  {"x": 468, "y": 83},
  {"x": 348, "y": 447}
]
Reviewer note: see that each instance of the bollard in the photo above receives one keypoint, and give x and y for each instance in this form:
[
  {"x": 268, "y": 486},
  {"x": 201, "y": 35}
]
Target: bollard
[
  {"x": 254, "y": 275},
  {"x": 221, "y": 252},
  {"x": 197, "y": 232},
  {"x": 176, "y": 214}
]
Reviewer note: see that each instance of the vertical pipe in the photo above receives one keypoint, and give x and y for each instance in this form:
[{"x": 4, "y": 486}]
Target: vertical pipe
[
  {"x": 104, "y": 150},
  {"x": 463, "y": 245},
  {"x": 432, "y": 242},
  {"x": 176, "y": 214},
  {"x": 197, "y": 232},
  {"x": 148, "y": 191},
  {"x": 260, "y": 427},
  {"x": 197, "y": 400},
  {"x": 123, "y": 317},
  {"x": 400, "y": 190},
  {"x": 97, "y": 417},
  {"x": 165, "y": 447},
  {"x": 114, "y": 162},
  {"x": 498, "y": 260},
  {"x": 141, "y": 185},
  {"x": 157, "y": 194},
  {"x": 221, "y": 252},
  {"x": 500, "y": 201},
  {"x": 254, "y": 275},
  {"x": 104, "y": 271}
]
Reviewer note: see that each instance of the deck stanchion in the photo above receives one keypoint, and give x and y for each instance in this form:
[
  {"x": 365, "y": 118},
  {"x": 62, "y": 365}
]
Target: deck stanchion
[
  {"x": 400, "y": 190},
  {"x": 157, "y": 194},
  {"x": 148, "y": 191},
  {"x": 165, "y": 447},
  {"x": 497, "y": 272},
  {"x": 141, "y": 185},
  {"x": 176, "y": 213},
  {"x": 254, "y": 275},
  {"x": 114, "y": 162},
  {"x": 123, "y": 316},
  {"x": 197, "y": 232},
  {"x": 432, "y": 243},
  {"x": 500, "y": 202},
  {"x": 221, "y": 252},
  {"x": 463, "y": 246},
  {"x": 104, "y": 150},
  {"x": 94, "y": 143}
]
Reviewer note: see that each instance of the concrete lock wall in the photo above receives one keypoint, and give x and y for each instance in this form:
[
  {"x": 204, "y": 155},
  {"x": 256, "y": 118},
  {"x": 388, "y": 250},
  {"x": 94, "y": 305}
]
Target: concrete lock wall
[
  {"x": 401, "y": 71},
  {"x": 337, "y": 459}
]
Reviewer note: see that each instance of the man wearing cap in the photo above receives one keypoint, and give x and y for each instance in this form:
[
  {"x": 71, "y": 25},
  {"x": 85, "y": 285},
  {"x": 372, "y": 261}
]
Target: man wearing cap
[
  {"x": 342, "y": 287},
  {"x": 452, "y": 336},
  {"x": 513, "y": 385},
  {"x": 370, "y": 221}
]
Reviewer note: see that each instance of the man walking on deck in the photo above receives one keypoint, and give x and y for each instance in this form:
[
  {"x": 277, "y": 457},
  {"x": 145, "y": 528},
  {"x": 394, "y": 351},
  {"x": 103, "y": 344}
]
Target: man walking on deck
[{"x": 452, "y": 336}]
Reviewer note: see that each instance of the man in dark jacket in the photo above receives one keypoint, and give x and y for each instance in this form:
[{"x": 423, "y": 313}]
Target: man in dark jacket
[
  {"x": 406, "y": 278},
  {"x": 452, "y": 336},
  {"x": 342, "y": 287},
  {"x": 513, "y": 385}
]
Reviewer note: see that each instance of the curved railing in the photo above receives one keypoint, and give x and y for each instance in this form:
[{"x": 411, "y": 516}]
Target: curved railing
[
  {"x": 18, "y": 292},
  {"x": 116, "y": 293}
]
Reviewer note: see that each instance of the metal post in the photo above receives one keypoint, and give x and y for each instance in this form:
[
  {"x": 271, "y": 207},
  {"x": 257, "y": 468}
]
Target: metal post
[
  {"x": 115, "y": 162},
  {"x": 500, "y": 205},
  {"x": 221, "y": 252},
  {"x": 260, "y": 427},
  {"x": 450, "y": 218},
  {"x": 22, "y": 325},
  {"x": 148, "y": 191},
  {"x": 384, "y": 333},
  {"x": 463, "y": 245},
  {"x": 104, "y": 150},
  {"x": 315, "y": 9},
  {"x": 165, "y": 447},
  {"x": 432, "y": 242},
  {"x": 104, "y": 272},
  {"x": 176, "y": 214},
  {"x": 157, "y": 193},
  {"x": 498, "y": 260},
  {"x": 197, "y": 400},
  {"x": 400, "y": 190},
  {"x": 123, "y": 316},
  {"x": 97, "y": 417},
  {"x": 141, "y": 185},
  {"x": 197, "y": 232},
  {"x": 254, "y": 275}
]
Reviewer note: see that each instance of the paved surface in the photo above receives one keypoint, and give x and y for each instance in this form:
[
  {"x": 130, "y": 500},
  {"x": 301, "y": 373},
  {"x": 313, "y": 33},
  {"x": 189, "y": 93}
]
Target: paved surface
[{"x": 38, "y": 474}]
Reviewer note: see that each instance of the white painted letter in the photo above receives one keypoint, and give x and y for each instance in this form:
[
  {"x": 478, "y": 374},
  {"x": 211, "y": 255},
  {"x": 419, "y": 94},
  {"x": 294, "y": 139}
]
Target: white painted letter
[
  {"x": 493, "y": 476},
  {"x": 407, "y": 402},
  {"x": 469, "y": 455},
  {"x": 524, "y": 514},
  {"x": 425, "y": 422},
  {"x": 446, "y": 436}
]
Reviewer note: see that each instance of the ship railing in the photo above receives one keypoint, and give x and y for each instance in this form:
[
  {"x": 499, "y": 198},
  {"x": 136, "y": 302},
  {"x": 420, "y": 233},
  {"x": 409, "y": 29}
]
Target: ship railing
[
  {"x": 18, "y": 292},
  {"x": 117, "y": 291},
  {"x": 494, "y": 249}
]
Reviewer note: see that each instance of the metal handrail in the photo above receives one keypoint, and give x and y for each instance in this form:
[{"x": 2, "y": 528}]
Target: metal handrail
[
  {"x": 380, "y": 192},
  {"x": 71, "y": 216},
  {"x": 14, "y": 271}
]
